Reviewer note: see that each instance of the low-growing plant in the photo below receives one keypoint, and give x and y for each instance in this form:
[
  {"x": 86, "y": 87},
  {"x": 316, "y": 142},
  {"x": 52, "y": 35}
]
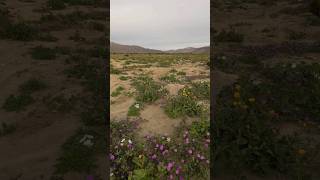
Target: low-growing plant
[
  {"x": 201, "y": 90},
  {"x": 117, "y": 92},
  {"x": 229, "y": 36},
  {"x": 43, "y": 53},
  {"x": 123, "y": 78},
  {"x": 170, "y": 78},
  {"x": 296, "y": 35},
  {"x": 17, "y": 103},
  {"x": 148, "y": 90},
  {"x": 56, "y": 4},
  {"x": 6, "y": 129},
  {"x": 184, "y": 104},
  {"x": 76, "y": 156},
  {"x": 134, "y": 110},
  {"x": 21, "y": 32},
  {"x": 32, "y": 85}
]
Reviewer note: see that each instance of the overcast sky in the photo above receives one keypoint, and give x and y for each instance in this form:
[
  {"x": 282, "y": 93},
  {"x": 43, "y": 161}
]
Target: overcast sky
[{"x": 160, "y": 24}]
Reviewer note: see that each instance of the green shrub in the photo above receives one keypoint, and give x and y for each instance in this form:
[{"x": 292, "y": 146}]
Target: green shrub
[
  {"x": 117, "y": 92},
  {"x": 147, "y": 89},
  {"x": 17, "y": 103},
  {"x": 182, "y": 105},
  {"x": 229, "y": 36},
  {"x": 134, "y": 110},
  {"x": 201, "y": 90},
  {"x": 21, "y": 32},
  {"x": 56, "y": 4},
  {"x": 43, "y": 53},
  {"x": 32, "y": 85},
  {"x": 6, "y": 129},
  {"x": 170, "y": 78}
]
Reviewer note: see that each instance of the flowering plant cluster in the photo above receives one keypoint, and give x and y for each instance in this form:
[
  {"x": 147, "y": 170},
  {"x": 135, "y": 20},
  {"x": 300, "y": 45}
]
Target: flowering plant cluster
[{"x": 181, "y": 156}]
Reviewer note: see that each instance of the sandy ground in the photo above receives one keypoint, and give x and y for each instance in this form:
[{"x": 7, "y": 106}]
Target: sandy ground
[
  {"x": 30, "y": 152},
  {"x": 153, "y": 119}
]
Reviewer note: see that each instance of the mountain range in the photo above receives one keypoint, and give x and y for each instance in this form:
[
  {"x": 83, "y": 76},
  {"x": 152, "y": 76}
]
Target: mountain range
[{"x": 120, "y": 48}]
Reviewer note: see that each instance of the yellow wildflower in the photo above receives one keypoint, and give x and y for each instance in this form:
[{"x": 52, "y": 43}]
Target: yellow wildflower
[
  {"x": 301, "y": 152},
  {"x": 236, "y": 95}
]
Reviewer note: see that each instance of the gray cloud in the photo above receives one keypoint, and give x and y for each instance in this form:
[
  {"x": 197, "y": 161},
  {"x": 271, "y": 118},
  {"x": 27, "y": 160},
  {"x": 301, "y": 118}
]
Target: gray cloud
[{"x": 161, "y": 24}]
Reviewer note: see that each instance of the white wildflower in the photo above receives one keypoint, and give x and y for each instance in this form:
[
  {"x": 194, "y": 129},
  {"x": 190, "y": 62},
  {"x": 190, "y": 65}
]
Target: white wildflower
[
  {"x": 123, "y": 140},
  {"x": 88, "y": 143}
]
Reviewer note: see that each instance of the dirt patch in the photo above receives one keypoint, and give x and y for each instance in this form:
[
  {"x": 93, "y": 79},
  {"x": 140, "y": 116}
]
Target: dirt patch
[{"x": 155, "y": 121}]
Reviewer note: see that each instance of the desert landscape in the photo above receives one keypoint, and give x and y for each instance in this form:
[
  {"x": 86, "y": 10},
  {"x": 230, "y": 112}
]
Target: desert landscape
[
  {"x": 266, "y": 118},
  {"x": 159, "y": 101},
  {"x": 52, "y": 84}
]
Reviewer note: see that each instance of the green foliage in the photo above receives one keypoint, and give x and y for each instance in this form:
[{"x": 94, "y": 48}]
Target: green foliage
[
  {"x": 229, "y": 36},
  {"x": 21, "y": 32},
  {"x": 199, "y": 128},
  {"x": 17, "y": 103},
  {"x": 296, "y": 35},
  {"x": 114, "y": 70},
  {"x": 56, "y": 4},
  {"x": 117, "y": 92},
  {"x": 183, "y": 105},
  {"x": 148, "y": 90},
  {"x": 201, "y": 90},
  {"x": 43, "y": 53},
  {"x": 244, "y": 135},
  {"x": 76, "y": 156},
  {"x": 170, "y": 78},
  {"x": 134, "y": 110},
  {"x": 123, "y": 78},
  {"x": 6, "y": 129},
  {"x": 32, "y": 85}
]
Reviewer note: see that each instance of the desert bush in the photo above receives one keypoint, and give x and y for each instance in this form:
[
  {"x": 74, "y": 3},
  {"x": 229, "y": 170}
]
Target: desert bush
[
  {"x": 17, "y": 103},
  {"x": 43, "y": 53},
  {"x": 228, "y": 36},
  {"x": 147, "y": 89},
  {"x": 20, "y": 31}
]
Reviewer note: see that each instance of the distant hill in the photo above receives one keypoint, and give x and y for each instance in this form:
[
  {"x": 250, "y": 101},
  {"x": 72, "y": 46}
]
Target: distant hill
[
  {"x": 120, "y": 48},
  {"x": 200, "y": 50}
]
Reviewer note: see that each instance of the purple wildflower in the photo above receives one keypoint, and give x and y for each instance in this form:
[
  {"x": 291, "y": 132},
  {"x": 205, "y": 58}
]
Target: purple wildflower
[
  {"x": 161, "y": 147},
  {"x": 111, "y": 157},
  {"x": 90, "y": 177},
  {"x": 154, "y": 156},
  {"x": 169, "y": 166},
  {"x": 171, "y": 176},
  {"x": 190, "y": 151}
]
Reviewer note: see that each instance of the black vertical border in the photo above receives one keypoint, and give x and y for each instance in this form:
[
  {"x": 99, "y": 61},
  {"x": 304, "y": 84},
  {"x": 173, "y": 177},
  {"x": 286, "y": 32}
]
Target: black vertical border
[
  {"x": 107, "y": 88},
  {"x": 212, "y": 101}
]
